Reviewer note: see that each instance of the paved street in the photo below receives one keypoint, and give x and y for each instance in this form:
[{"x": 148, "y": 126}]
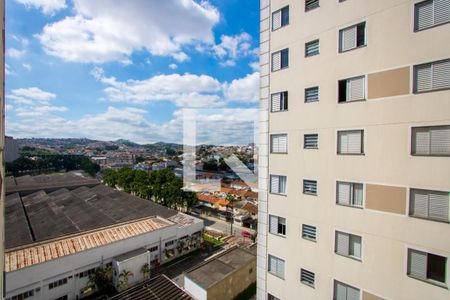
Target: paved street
[{"x": 223, "y": 226}]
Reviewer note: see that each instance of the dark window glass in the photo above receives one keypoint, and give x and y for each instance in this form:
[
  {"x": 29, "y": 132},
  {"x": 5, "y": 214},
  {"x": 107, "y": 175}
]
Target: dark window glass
[
  {"x": 284, "y": 58},
  {"x": 342, "y": 90},
  {"x": 436, "y": 267},
  {"x": 285, "y": 16},
  {"x": 361, "y": 35}
]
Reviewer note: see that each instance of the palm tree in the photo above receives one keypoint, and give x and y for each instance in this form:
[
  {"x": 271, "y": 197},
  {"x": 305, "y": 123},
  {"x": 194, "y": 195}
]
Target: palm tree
[
  {"x": 145, "y": 270},
  {"x": 124, "y": 276},
  {"x": 232, "y": 200},
  {"x": 101, "y": 278}
]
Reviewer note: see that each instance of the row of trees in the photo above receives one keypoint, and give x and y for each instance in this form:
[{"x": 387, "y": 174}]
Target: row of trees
[
  {"x": 161, "y": 186},
  {"x": 40, "y": 164}
]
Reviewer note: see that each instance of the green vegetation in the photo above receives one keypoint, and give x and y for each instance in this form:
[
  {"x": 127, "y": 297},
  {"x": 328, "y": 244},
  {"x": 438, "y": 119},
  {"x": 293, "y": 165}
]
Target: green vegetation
[
  {"x": 162, "y": 186},
  {"x": 30, "y": 151},
  {"x": 212, "y": 240},
  {"x": 48, "y": 163}
]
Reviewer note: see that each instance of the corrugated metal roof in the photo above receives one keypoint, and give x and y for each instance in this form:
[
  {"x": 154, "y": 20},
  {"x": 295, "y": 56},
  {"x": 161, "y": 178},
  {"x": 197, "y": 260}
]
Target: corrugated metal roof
[{"x": 39, "y": 253}]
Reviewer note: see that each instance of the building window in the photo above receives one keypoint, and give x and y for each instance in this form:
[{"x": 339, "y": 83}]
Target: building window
[
  {"x": 278, "y": 184},
  {"x": 431, "y": 13},
  {"x": 432, "y": 205},
  {"x": 352, "y": 37},
  {"x": 427, "y": 266},
  {"x": 57, "y": 283},
  {"x": 153, "y": 249},
  {"x": 65, "y": 297},
  {"x": 348, "y": 245},
  {"x": 431, "y": 141},
  {"x": 311, "y": 141},
  {"x": 309, "y": 232},
  {"x": 350, "y": 142},
  {"x": 278, "y": 143},
  {"x": 349, "y": 193},
  {"x": 310, "y": 187},
  {"x": 312, "y": 94},
  {"x": 25, "y": 295},
  {"x": 280, "y": 18},
  {"x": 169, "y": 243},
  {"x": 280, "y": 60},
  {"x": 277, "y": 225},
  {"x": 279, "y": 101},
  {"x": 352, "y": 89},
  {"x": 312, "y": 48},
  {"x": 344, "y": 291},
  {"x": 86, "y": 273},
  {"x": 432, "y": 76},
  {"x": 276, "y": 266},
  {"x": 307, "y": 277},
  {"x": 311, "y": 4},
  {"x": 272, "y": 297}
]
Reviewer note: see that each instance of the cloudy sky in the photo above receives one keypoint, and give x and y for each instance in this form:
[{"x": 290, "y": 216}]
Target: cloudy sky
[{"x": 110, "y": 69}]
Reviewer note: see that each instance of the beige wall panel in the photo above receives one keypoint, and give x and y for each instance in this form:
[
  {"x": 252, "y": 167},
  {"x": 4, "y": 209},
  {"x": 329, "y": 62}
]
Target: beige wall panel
[
  {"x": 389, "y": 83},
  {"x": 386, "y": 198},
  {"x": 368, "y": 296}
]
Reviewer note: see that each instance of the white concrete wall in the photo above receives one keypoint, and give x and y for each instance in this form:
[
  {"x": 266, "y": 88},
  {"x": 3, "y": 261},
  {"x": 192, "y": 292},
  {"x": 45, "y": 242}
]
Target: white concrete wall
[
  {"x": 194, "y": 289},
  {"x": 38, "y": 276},
  {"x": 133, "y": 265}
]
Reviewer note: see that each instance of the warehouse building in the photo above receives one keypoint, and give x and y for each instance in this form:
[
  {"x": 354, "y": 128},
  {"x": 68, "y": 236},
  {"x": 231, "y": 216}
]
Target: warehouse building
[{"x": 61, "y": 227}]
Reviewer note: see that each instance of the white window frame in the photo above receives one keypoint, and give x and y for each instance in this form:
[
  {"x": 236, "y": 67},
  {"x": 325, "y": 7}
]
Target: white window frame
[
  {"x": 352, "y": 200},
  {"x": 347, "y": 80},
  {"x": 348, "y": 255},
  {"x": 414, "y": 18},
  {"x": 275, "y": 135},
  {"x": 413, "y": 142},
  {"x": 281, "y": 18},
  {"x": 347, "y": 286},
  {"x": 281, "y": 276},
  {"x": 410, "y": 207},
  {"x": 283, "y": 95},
  {"x": 278, "y": 223},
  {"x": 340, "y": 31},
  {"x": 363, "y": 139},
  {"x": 281, "y": 60},
  {"x": 270, "y": 185},
  {"x": 425, "y": 279},
  {"x": 431, "y": 65}
]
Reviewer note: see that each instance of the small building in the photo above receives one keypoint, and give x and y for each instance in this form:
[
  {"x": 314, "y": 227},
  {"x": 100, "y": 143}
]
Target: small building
[
  {"x": 130, "y": 266},
  {"x": 222, "y": 277},
  {"x": 11, "y": 149}
]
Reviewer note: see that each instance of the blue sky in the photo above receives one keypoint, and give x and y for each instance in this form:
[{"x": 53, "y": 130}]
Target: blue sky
[{"x": 110, "y": 69}]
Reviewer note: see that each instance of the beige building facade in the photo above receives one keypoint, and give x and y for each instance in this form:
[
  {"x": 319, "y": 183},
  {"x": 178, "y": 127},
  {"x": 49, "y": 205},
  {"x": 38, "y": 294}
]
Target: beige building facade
[{"x": 354, "y": 170}]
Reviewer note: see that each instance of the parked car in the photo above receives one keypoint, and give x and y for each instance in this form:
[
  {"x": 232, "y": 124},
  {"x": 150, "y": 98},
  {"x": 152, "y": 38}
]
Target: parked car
[{"x": 246, "y": 234}]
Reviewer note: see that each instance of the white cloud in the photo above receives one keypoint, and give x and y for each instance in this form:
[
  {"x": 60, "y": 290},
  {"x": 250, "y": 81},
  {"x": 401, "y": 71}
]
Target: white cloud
[
  {"x": 48, "y": 7},
  {"x": 111, "y": 30},
  {"x": 244, "y": 89},
  {"x": 185, "y": 90},
  {"x": 35, "y": 111},
  {"x": 29, "y": 95},
  {"x": 27, "y": 66},
  {"x": 255, "y": 66},
  {"x": 173, "y": 66},
  {"x": 15, "y": 53},
  {"x": 23, "y": 41},
  {"x": 8, "y": 70},
  {"x": 213, "y": 126},
  {"x": 8, "y": 107},
  {"x": 234, "y": 47}
]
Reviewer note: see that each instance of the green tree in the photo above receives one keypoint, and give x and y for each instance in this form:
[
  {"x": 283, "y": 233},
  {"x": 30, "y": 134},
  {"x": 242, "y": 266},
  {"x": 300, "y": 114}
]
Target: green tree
[
  {"x": 101, "y": 278},
  {"x": 232, "y": 200},
  {"x": 124, "y": 278},
  {"x": 145, "y": 270}
]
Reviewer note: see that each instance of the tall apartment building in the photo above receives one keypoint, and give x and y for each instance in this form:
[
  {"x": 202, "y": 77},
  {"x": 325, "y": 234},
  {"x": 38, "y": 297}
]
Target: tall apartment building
[{"x": 354, "y": 150}]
